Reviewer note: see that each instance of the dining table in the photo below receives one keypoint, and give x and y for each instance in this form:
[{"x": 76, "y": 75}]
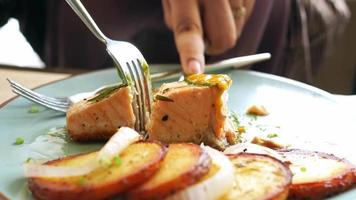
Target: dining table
[{"x": 31, "y": 78}]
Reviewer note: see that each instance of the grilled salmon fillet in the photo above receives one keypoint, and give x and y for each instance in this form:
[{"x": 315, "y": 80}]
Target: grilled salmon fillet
[
  {"x": 99, "y": 117},
  {"x": 188, "y": 112}
]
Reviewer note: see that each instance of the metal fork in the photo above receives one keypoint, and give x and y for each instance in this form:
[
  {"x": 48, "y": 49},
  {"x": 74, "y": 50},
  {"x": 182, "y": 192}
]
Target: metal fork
[
  {"x": 131, "y": 65},
  {"x": 63, "y": 103}
]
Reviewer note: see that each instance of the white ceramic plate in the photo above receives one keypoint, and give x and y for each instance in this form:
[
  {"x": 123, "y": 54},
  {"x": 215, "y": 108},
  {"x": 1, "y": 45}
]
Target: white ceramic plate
[{"x": 303, "y": 113}]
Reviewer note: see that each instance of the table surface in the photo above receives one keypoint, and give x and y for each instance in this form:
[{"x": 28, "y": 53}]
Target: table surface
[{"x": 30, "y": 78}]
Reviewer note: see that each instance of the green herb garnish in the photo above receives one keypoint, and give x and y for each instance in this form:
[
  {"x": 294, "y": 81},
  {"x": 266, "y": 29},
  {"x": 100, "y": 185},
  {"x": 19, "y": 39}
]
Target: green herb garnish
[
  {"x": 129, "y": 79},
  {"x": 105, "y": 162},
  {"x": 34, "y": 109},
  {"x": 82, "y": 181},
  {"x": 28, "y": 160},
  {"x": 116, "y": 161},
  {"x": 19, "y": 141},
  {"x": 106, "y": 93},
  {"x": 272, "y": 135},
  {"x": 236, "y": 122},
  {"x": 252, "y": 116},
  {"x": 165, "y": 90},
  {"x": 146, "y": 69},
  {"x": 234, "y": 118},
  {"x": 303, "y": 169},
  {"x": 163, "y": 98}
]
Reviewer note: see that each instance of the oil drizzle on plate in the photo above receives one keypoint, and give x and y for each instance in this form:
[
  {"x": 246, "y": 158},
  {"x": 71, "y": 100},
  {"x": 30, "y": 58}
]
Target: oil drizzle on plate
[
  {"x": 56, "y": 143},
  {"x": 50, "y": 145}
]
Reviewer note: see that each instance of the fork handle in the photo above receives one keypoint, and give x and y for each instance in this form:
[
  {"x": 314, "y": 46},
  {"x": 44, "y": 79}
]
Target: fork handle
[{"x": 83, "y": 14}]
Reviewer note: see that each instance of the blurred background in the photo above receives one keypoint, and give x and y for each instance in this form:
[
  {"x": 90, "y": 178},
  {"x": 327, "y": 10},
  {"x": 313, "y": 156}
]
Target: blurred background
[
  {"x": 336, "y": 75},
  {"x": 339, "y": 73}
]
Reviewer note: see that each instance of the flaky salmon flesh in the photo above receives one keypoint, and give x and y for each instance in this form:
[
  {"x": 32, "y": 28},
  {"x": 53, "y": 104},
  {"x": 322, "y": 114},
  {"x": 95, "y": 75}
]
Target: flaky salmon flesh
[
  {"x": 193, "y": 110},
  {"x": 183, "y": 112},
  {"x": 99, "y": 118}
]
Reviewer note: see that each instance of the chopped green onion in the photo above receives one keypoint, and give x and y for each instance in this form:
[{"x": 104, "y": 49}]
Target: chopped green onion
[
  {"x": 105, "y": 162},
  {"x": 234, "y": 118},
  {"x": 19, "y": 141},
  {"x": 28, "y": 160},
  {"x": 82, "y": 181},
  {"x": 34, "y": 109},
  {"x": 117, "y": 160},
  {"x": 303, "y": 169},
  {"x": 272, "y": 135}
]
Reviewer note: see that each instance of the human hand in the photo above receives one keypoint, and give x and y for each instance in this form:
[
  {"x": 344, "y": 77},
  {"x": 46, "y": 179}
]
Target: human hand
[{"x": 213, "y": 26}]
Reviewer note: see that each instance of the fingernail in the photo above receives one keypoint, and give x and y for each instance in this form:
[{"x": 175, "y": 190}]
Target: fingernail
[{"x": 194, "y": 67}]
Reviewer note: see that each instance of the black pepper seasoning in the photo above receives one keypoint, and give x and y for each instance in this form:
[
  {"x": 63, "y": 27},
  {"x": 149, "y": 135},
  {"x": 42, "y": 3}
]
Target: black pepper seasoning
[{"x": 165, "y": 118}]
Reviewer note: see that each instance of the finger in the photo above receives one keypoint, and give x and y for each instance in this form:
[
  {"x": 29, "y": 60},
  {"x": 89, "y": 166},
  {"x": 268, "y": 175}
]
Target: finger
[
  {"x": 239, "y": 14},
  {"x": 219, "y": 26},
  {"x": 188, "y": 34},
  {"x": 167, "y": 13},
  {"x": 249, "y": 4},
  {"x": 242, "y": 10}
]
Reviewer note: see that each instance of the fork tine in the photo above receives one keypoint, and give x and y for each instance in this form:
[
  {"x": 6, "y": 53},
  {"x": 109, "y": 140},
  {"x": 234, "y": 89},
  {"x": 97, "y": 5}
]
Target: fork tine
[
  {"x": 144, "y": 93},
  {"x": 45, "y": 99},
  {"x": 38, "y": 101},
  {"x": 40, "y": 98},
  {"x": 132, "y": 69},
  {"x": 57, "y": 99},
  {"x": 146, "y": 82},
  {"x": 138, "y": 70}
]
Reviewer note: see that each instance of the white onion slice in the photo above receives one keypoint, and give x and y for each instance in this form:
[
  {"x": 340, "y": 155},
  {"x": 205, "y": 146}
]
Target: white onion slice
[
  {"x": 214, "y": 187},
  {"x": 117, "y": 143},
  {"x": 252, "y": 148}
]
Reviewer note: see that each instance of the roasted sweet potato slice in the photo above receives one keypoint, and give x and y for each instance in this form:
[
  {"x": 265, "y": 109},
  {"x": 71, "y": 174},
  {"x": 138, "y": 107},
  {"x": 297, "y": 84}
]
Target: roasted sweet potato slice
[
  {"x": 318, "y": 175},
  {"x": 183, "y": 165},
  {"x": 258, "y": 177},
  {"x": 138, "y": 162}
]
